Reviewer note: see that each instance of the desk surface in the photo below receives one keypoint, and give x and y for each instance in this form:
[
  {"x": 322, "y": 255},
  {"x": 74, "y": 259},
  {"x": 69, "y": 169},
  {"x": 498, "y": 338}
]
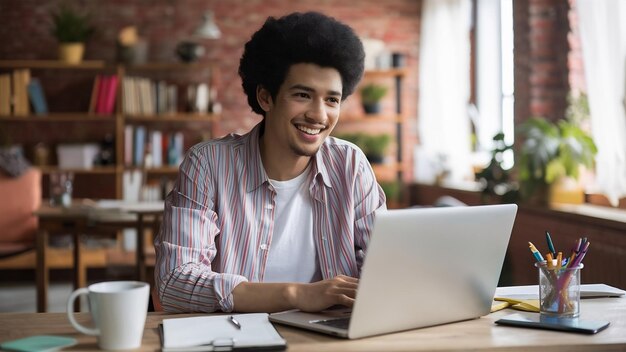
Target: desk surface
[{"x": 478, "y": 334}]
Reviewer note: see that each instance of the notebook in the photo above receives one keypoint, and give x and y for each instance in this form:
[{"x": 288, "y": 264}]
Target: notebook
[
  {"x": 221, "y": 333},
  {"x": 424, "y": 267}
]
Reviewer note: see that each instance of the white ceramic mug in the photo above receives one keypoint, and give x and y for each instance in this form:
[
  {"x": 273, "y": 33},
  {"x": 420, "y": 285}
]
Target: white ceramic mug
[{"x": 118, "y": 309}]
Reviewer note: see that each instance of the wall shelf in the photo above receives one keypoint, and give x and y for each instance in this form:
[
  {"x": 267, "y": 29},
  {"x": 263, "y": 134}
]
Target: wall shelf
[{"x": 83, "y": 127}]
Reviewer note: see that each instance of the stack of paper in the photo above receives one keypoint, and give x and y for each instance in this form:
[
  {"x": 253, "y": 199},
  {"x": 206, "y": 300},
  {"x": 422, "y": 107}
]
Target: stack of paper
[{"x": 526, "y": 298}]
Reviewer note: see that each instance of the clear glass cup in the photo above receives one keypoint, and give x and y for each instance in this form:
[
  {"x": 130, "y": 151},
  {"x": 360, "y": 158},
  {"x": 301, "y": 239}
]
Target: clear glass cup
[{"x": 559, "y": 291}]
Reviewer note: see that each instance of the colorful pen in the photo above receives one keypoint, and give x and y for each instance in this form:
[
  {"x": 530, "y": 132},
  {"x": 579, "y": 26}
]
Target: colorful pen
[
  {"x": 549, "y": 261},
  {"x": 580, "y": 256},
  {"x": 550, "y": 244},
  {"x": 575, "y": 251},
  {"x": 559, "y": 260},
  {"x": 535, "y": 252}
]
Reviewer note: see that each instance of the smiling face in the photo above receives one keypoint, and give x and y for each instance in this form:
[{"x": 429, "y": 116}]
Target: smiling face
[{"x": 304, "y": 113}]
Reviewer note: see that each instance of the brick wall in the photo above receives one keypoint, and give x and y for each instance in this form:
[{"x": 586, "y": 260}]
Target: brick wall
[
  {"x": 575, "y": 58},
  {"x": 541, "y": 58},
  {"x": 25, "y": 34}
]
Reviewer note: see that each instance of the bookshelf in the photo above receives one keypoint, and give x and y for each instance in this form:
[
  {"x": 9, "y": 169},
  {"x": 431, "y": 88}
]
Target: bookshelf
[
  {"x": 69, "y": 91},
  {"x": 390, "y": 121}
]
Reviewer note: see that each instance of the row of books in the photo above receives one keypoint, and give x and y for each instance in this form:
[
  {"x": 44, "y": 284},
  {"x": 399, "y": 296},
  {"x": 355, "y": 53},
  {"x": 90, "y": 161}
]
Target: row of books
[
  {"x": 152, "y": 148},
  {"x": 103, "y": 94},
  {"x": 19, "y": 92},
  {"x": 143, "y": 96}
]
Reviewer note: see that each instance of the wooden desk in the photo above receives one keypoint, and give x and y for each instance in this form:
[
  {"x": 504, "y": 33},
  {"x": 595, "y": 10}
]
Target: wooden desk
[
  {"x": 477, "y": 335},
  {"x": 79, "y": 220}
]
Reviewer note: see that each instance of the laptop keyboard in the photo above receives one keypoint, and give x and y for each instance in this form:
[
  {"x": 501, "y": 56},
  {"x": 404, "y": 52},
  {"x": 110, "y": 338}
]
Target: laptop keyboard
[{"x": 340, "y": 323}]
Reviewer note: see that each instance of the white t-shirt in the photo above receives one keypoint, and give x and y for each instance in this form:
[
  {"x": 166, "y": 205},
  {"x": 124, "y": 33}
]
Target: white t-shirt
[{"x": 292, "y": 256}]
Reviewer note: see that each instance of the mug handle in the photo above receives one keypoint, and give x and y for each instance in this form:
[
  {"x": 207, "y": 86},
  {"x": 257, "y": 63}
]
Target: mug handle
[{"x": 70, "y": 313}]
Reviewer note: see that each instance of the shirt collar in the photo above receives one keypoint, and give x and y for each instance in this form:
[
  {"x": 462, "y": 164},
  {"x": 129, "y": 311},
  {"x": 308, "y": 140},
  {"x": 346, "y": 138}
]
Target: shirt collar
[{"x": 256, "y": 171}]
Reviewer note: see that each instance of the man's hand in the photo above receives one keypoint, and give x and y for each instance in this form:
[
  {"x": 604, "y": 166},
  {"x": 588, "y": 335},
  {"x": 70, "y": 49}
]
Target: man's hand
[
  {"x": 317, "y": 296},
  {"x": 313, "y": 297}
]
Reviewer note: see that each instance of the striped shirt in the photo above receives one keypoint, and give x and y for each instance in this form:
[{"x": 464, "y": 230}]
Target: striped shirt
[{"x": 219, "y": 219}]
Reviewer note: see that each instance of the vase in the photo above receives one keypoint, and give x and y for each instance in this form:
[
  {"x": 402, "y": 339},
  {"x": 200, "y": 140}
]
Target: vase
[
  {"x": 189, "y": 51},
  {"x": 71, "y": 53}
]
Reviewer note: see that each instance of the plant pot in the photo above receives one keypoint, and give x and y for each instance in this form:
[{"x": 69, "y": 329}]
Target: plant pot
[
  {"x": 71, "y": 53},
  {"x": 566, "y": 190},
  {"x": 375, "y": 159},
  {"x": 371, "y": 108},
  {"x": 189, "y": 51}
]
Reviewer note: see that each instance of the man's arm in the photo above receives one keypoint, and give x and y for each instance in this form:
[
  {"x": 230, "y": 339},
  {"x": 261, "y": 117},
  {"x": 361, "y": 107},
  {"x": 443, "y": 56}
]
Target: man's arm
[
  {"x": 185, "y": 246},
  {"x": 313, "y": 297}
]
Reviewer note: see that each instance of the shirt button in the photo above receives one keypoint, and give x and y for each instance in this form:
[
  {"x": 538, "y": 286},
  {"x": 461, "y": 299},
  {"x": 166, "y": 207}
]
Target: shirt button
[
  {"x": 264, "y": 246},
  {"x": 269, "y": 206}
]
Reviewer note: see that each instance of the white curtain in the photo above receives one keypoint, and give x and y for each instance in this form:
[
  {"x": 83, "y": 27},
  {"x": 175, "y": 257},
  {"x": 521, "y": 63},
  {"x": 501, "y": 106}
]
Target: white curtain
[
  {"x": 443, "y": 122},
  {"x": 603, "y": 40}
]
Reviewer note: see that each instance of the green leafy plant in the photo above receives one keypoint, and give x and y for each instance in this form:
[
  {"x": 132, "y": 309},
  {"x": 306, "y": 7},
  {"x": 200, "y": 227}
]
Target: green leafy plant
[
  {"x": 373, "y": 93},
  {"x": 494, "y": 178},
  {"x": 373, "y": 146},
  {"x": 376, "y": 146},
  {"x": 391, "y": 189},
  {"x": 551, "y": 151},
  {"x": 69, "y": 26}
]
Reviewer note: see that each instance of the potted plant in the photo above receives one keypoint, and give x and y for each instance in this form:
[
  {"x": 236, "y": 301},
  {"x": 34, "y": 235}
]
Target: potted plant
[
  {"x": 371, "y": 95},
  {"x": 550, "y": 157},
  {"x": 496, "y": 181},
  {"x": 392, "y": 191},
  {"x": 72, "y": 30},
  {"x": 375, "y": 147}
]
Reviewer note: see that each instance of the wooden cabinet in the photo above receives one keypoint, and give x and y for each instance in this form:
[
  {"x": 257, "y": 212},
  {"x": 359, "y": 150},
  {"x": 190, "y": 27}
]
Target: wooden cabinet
[
  {"x": 603, "y": 226},
  {"x": 68, "y": 91}
]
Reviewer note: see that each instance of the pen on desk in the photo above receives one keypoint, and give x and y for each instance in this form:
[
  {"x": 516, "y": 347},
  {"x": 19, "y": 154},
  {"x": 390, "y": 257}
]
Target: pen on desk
[
  {"x": 535, "y": 252},
  {"x": 550, "y": 244},
  {"x": 234, "y": 322}
]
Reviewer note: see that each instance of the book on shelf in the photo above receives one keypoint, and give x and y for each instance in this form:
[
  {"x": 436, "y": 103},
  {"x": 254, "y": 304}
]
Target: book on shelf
[
  {"x": 128, "y": 145},
  {"x": 156, "y": 144},
  {"x": 37, "y": 97},
  {"x": 164, "y": 148},
  {"x": 5, "y": 94},
  {"x": 145, "y": 97},
  {"x": 94, "y": 95},
  {"x": 103, "y": 95},
  {"x": 109, "y": 107},
  {"x": 21, "y": 78},
  {"x": 139, "y": 145}
]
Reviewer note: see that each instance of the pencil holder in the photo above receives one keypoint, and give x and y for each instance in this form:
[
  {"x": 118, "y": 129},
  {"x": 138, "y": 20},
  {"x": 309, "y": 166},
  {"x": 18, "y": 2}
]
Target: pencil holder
[{"x": 559, "y": 291}]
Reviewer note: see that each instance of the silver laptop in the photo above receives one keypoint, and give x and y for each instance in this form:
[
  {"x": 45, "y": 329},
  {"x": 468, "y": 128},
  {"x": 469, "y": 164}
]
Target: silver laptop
[{"x": 424, "y": 267}]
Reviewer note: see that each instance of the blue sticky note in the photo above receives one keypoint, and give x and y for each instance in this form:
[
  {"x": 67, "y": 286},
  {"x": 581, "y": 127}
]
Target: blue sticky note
[{"x": 39, "y": 343}]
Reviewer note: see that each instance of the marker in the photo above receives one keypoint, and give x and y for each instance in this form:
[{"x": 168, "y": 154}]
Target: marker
[
  {"x": 550, "y": 244},
  {"x": 559, "y": 260},
  {"x": 535, "y": 252}
]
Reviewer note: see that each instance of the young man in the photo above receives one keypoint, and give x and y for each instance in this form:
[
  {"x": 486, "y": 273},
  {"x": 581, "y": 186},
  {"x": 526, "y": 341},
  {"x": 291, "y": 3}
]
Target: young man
[{"x": 280, "y": 217}]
